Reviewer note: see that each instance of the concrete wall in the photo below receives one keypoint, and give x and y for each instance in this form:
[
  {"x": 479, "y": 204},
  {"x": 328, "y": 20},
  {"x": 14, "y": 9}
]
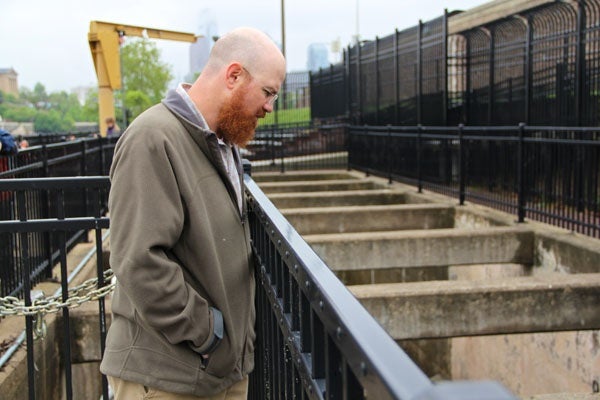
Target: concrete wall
[{"x": 474, "y": 297}]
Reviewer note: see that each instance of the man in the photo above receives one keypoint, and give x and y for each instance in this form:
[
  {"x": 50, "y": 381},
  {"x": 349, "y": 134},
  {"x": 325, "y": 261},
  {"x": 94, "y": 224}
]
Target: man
[{"x": 183, "y": 307}]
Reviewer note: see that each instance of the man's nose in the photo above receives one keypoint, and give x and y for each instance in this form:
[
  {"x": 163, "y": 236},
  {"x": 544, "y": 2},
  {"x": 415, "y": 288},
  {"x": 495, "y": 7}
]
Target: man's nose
[{"x": 268, "y": 107}]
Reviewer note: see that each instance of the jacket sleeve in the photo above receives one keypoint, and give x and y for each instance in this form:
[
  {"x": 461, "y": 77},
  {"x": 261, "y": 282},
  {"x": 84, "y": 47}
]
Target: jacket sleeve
[{"x": 147, "y": 217}]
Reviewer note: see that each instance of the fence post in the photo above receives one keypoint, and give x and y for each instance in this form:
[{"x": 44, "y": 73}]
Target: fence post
[
  {"x": 521, "y": 175},
  {"x": 45, "y": 160},
  {"x": 26, "y": 279},
  {"x": 102, "y": 158},
  {"x": 389, "y": 153},
  {"x": 281, "y": 135},
  {"x": 348, "y": 141},
  {"x": 419, "y": 160},
  {"x": 461, "y": 166},
  {"x": 84, "y": 172},
  {"x": 365, "y": 133}
]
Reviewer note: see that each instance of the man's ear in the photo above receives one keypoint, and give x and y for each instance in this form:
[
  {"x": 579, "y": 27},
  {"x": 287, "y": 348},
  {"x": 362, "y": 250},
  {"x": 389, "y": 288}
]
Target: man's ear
[{"x": 233, "y": 74}]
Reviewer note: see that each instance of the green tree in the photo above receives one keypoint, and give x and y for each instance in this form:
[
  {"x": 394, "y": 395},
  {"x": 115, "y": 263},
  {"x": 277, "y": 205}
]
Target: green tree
[
  {"x": 17, "y": 113},
  {"x": 36, "y": 97},
  {"x": 52, "y": 121},
  {"x": 145, "y": 78},
  {"x": 89, "y": 111},
  {"x": 66, "y": 104}
]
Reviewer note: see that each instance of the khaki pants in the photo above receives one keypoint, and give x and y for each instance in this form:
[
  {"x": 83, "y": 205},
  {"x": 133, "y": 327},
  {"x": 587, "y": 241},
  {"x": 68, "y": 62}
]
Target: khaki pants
[{"x": 125, "y": 390}]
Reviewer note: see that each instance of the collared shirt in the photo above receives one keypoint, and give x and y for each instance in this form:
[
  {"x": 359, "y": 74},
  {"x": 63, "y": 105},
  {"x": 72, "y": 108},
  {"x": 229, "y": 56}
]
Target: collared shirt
[{"x": 225, "y": 148}]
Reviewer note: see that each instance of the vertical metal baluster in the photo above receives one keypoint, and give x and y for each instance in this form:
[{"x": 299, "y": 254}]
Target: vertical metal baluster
[
  {"x": 25, "y": 276},
  {"x": 60, "y": 212}
]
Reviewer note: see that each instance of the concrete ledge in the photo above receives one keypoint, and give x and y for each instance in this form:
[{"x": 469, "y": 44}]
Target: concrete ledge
[
  {"x": 301, "y": 176},
  {"x": 419, "y": 248},
  {"x": 336, "y": 199},
  {"x": 319, "y": 220},
  {"x": 317, "y": 186},
  {"x": 462, "y": 308}
]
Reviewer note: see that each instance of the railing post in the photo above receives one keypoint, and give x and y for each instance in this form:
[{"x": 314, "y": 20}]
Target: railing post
[
  {"x": 102, "y": 158},
  {"x": 84, "y": 172},
  {"x": 419, "y": 159},
  {"x": 461, "y": 166},
  {"x": 281, "y": 135},
  {"x": 389, "y": 153},
  {"x": 365, "y": 133},
  {"x": 45, "y": 161},
  {"x": 521, "y": 174},
  {"x": 26, "y": 276}
]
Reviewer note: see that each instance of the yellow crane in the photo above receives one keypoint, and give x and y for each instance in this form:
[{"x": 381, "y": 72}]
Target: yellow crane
[{"x": 105, "y": 39}]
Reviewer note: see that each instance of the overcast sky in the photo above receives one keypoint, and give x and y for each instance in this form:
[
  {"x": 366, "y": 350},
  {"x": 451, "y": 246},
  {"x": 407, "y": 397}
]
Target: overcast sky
[{"x": 46, "y": 40}]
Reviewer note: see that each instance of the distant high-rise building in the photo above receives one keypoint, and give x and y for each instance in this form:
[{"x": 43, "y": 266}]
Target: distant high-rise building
[
  {"x": 318, "y": 56},
  {"x": 200, "y": 50},
  {"x": 81, "y": 92}
]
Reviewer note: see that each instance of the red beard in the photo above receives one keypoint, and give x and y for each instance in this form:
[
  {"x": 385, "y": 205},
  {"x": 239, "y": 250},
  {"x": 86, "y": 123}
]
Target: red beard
[{"x": 233, "y": 125}]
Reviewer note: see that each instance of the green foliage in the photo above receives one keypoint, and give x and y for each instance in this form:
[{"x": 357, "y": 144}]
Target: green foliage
[
  {"x": 89, "y": 110},
  {"x": 52, "y": 121},
  {"x": 136, "y": 102},
  {"x": 13, "y": 112},
  {"x": 50, "y": 113},
  {"x": 66, "y": 104},
  {"x": 145, "y": 78}
]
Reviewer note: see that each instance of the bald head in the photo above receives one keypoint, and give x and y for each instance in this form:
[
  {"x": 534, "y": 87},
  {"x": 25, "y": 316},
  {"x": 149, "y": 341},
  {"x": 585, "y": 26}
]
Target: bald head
[
  {"x": 248, "y": 46},
  {"x": 245, "y": 70}
]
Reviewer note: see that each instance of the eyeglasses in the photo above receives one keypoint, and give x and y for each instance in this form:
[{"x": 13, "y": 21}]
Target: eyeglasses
[{"x": 270, "y": 96}]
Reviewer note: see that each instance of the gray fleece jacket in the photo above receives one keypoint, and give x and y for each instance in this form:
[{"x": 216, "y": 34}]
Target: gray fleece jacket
[{"x": 182, "y": 258}]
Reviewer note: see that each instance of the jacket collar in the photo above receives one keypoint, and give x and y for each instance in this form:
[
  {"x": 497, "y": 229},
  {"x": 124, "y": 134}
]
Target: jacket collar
[{"x": 179, "y": 103}]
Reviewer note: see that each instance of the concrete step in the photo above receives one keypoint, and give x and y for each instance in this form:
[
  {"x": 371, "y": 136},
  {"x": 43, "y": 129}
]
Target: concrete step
[
  {"x": 260, "y": 177},
  {"x": 317, "y": 186},
  {"x": 424, "y": 248},
  {"x": 338, "y": 198},
  {"x": 322, "y": 220},
  {"x": 438, "y": 309}
]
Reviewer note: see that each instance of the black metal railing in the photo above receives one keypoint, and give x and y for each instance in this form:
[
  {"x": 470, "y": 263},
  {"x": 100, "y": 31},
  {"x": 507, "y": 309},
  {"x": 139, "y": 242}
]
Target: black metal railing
[
  {"x": 548, "y": 174},
  {"x": 76, "y": 158},
  {"x": 298, "y": 146},
  {"x": 540, "y": 66},
  {"x": 79, "y": 157},
  {"x": 27, "y": 237},
  {"x": 314, "y": 339}
]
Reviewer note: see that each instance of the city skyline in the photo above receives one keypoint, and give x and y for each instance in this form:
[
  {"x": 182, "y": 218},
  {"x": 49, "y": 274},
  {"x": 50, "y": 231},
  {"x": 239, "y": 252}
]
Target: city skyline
[{"x": 46, "y": 47}]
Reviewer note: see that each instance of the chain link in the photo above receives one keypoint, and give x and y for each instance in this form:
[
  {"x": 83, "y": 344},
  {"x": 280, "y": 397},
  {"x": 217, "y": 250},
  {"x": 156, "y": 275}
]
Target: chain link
[{"x": 87, "y": 291}]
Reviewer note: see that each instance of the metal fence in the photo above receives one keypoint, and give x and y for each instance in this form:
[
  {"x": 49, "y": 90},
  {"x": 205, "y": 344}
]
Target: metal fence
[
  {"x": 540, "y": 67},
  {"x": 548, "y": 174},
  {"x": 20, "y": 275},
  {"x": 293, "y": 104},
  {"x": 82, "y": 157},
  {"x": 298, "y": 146}
]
